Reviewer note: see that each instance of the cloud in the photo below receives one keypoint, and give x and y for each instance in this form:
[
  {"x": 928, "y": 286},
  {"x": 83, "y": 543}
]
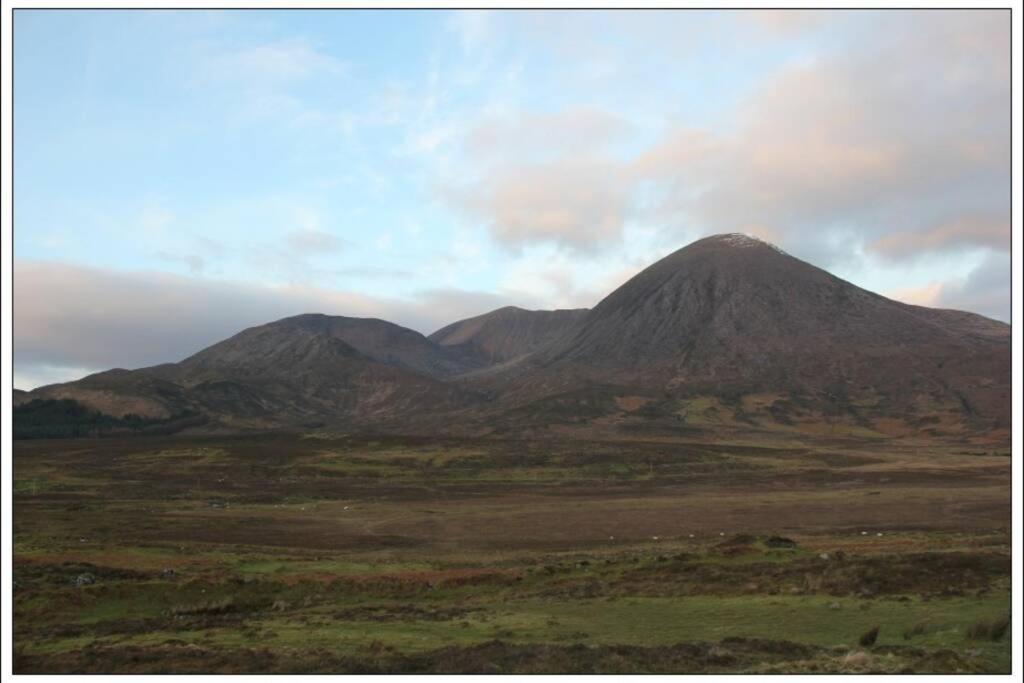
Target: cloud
[
  {"x": 195, "y": 258},
  {"x": 985, "y": 290},
  {"x": 546, "y": 177},
  {"x": 898, "y": 143},
  {"x": 881, "y": 144},
  {"x": 308, "y": 240},
  {"x": 196, "y": 264},
  {"x": 472, "y": 28},
  {"x": 926, "y": 295},
  {"x": 551, "y": 282},
  {"x": 969, "y": 230},
  {"x": 544, "y": 136},
  {"x": 276, "y": 63},
  {"x": 71, "y": 320},
  {"x": 580, "y": 205},
  {"x": 784, "y": 23},
  {"x": 28, "y": 377}
]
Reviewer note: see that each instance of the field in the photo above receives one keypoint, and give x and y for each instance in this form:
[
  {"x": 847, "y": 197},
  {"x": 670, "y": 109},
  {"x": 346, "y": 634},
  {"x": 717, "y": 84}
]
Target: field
[{"x": 343, "y": 553}]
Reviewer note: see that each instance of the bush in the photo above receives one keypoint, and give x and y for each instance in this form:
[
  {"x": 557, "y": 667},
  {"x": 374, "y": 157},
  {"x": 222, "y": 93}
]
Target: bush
[
  {"x": 222, "y": 606},
  {"x": 918, "y": 629},
  {"x": 869, "y": 638},
  {"x": 780, "y": 542},
  {"x": 67, "y": 418},
  {"x": 989, "y": 629}
]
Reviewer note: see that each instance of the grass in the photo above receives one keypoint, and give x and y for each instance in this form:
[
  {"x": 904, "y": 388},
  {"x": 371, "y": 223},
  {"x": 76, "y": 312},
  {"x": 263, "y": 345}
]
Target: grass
[{"x": 348, "y": 554}]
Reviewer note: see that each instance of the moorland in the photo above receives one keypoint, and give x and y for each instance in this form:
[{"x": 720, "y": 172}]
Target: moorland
[
  {"x": 734, "y": 462},
  {"x": 327, "y": 552}
]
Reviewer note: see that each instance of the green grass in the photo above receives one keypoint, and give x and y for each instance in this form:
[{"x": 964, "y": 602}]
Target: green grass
[
  {"x": 507, "y": 542},
  {"x": 629, "y": 621}
]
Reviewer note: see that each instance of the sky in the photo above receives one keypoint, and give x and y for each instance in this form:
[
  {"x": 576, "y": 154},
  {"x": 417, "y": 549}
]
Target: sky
[{"x": 182, "y": 175}]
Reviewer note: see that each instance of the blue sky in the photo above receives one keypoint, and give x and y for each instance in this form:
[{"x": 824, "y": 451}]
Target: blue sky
[{"x": 182, "y": 175}]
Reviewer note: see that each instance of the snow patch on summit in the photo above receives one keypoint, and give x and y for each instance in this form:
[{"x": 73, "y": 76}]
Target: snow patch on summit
[{"x": 738, "y": 239}]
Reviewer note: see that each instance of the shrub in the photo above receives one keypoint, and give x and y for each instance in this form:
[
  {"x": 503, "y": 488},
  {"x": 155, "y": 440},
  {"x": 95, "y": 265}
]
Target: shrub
[
  {"x": 780, "y": 542},
  {"x": 212, "y": 607},
  {"x": 918, "y": 629},
  {"x": 869, "y": 638},
  {"x": 989, "y": 629}
]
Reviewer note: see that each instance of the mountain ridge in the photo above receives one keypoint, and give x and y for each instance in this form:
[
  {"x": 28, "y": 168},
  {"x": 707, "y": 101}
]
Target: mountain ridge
[
  {"x": 765, "y": 339},
  {"x": 507, "y": 333}
]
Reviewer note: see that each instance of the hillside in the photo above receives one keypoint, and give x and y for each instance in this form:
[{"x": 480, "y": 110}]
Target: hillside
[
  {"x": 507, "y": 333},
  {"x": 290, "y": 372},
  {"x": 727, "y": 334},
  {"x": 730, "y": 328}
]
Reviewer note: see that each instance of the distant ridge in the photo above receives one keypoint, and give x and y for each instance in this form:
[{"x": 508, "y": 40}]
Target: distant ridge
[
  {"x": 507, "y": 333},
  {"x": 727, "y": 333}
]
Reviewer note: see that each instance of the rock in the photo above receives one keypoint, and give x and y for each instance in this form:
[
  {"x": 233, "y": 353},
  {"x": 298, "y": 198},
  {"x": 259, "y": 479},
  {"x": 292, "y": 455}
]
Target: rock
[
  {"x": 823, "y": 556},
  {"x": 719, "y": 653},
  {"x": 84, "y": 580}
]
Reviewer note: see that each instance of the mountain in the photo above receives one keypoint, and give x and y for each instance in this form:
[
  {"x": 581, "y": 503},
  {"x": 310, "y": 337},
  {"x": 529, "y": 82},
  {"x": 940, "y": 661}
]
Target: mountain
[
  {"x": 305, "y": 369},
  {"x": 731, "y": 328},
  {"x": 380, "y": 340},
  {"x": 507, "y": 333},
  {"x": 726, "y": 335}
]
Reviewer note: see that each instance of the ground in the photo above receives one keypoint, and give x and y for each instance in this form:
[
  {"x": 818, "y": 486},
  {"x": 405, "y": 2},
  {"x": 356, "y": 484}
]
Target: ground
[{"x": 347, "y": 553}]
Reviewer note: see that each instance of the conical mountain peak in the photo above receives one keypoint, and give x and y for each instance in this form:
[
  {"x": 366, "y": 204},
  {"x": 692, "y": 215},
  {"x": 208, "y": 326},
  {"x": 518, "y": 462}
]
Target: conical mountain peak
[{"x": 737, "y": 240}]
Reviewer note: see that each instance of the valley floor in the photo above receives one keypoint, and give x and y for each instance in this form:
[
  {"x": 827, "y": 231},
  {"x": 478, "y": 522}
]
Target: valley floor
[{"x": 335, "y": 553}]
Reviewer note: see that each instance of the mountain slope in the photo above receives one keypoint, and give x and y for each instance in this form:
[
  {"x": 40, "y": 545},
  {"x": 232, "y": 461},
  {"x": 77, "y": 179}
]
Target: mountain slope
[
  {"x": 507, "y": 333},
  {"x": 731, "y": 317},
  {"x": 728, "y": 333},
  {"x": 292, "y": 371},
  {"x": 379, "y": 340}
]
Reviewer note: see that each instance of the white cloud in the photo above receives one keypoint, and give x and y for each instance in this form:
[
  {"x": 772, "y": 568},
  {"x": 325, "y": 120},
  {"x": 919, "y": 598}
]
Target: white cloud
[
  {"x": 73, "y": 319},
  {"x": 887, "y": 147},
  {"x": 472, "y": 28},
  {"x": 927, "y": 295},
  {"x": 580, "y": 205},
  {"x": 275, "y": 63},
  {"x": 313, "y": 241}
]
